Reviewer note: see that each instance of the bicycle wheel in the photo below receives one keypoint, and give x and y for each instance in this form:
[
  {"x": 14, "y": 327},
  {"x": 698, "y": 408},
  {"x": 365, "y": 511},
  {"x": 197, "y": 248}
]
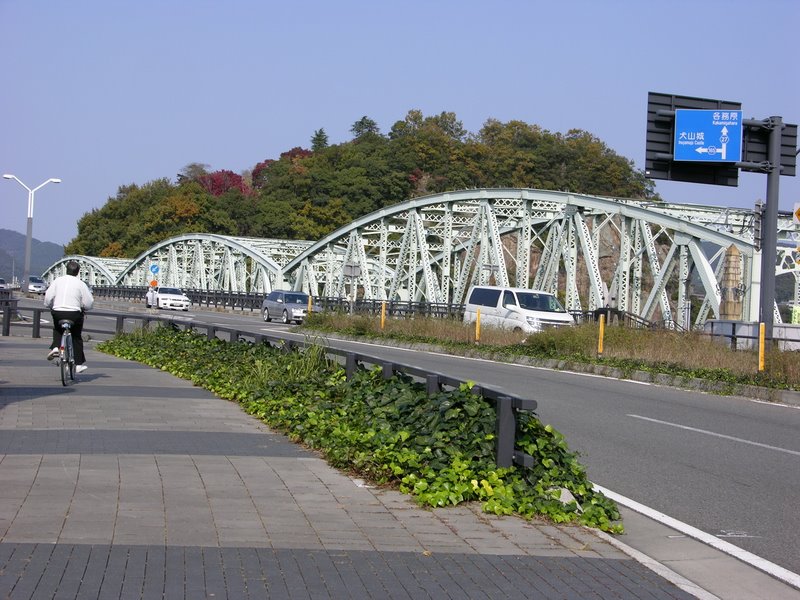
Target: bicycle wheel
[
  {"x": 66, "y": 359},
  {"x": 70, "y": 352},
  {"x": 64, "y": 364}
]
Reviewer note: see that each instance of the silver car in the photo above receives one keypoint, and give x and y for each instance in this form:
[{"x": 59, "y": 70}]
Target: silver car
[
  {"x": 36, "y": 285},
  {"x": 285, "y": 305}
]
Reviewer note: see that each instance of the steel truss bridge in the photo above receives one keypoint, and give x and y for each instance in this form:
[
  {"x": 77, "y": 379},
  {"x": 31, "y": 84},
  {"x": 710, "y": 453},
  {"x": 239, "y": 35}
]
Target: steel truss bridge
[{"x": 650, "y": 259}]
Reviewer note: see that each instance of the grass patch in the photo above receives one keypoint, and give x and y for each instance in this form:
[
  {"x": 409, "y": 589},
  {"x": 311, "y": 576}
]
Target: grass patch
[{"x": 688, "y": 355}]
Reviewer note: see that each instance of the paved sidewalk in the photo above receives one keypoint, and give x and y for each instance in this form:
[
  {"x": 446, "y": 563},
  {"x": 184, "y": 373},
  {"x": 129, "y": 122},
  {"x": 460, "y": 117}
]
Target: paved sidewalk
[{"x": 135, "y": 484}]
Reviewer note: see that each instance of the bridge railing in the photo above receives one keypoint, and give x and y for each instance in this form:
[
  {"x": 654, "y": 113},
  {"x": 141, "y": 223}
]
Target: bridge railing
[
  {"x": 394, "y": 308},
  {"x": 506, "y": 406},
  {"x": 615, "y": 317},
  {"x": 252, "y": 302}
]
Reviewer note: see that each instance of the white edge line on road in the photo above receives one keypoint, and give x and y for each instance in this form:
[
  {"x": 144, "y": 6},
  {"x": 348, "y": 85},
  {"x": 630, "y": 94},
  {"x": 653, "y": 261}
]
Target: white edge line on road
[
  {"x": 417, "y": 351},
  {"x": 713, "y": 433},
  {"x": 658, "y": 568},
  {"x": 759, "y": 563}
]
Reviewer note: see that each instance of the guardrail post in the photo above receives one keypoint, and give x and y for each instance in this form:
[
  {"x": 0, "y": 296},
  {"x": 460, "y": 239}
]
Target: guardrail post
[
  {"x": 506, "y": 431},
  {"x": 350, "y": 364},
  {"x": 211, "y": 332},
  {"x": 6, "y": 320},
  {"x": 120, "y": 326},
  {"x": 37, "y": 324},
  {"x": 387, "y": 370},
  {"x": 432, "y": 384}
]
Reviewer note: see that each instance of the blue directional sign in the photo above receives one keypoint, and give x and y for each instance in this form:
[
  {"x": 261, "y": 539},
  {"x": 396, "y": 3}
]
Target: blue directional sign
[
  {"x": 154, "y": 269},
  {"x": 708, "y": 135}
]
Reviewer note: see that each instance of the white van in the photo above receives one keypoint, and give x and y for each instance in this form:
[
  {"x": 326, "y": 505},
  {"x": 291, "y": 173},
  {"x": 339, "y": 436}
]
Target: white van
[{"x": 515, "y": 308}]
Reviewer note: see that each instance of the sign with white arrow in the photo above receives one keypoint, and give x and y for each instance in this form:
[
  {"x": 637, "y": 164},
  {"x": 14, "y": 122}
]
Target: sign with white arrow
[{"x": 708, "y": 135}]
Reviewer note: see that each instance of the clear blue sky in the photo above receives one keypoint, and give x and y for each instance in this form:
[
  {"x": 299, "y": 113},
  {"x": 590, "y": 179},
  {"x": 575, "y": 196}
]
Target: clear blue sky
[{"x": 103, "y": 94}]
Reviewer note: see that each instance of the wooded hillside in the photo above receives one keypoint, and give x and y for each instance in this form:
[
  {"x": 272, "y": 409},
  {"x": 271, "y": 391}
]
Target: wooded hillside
[{"x": 307, "y": 193}]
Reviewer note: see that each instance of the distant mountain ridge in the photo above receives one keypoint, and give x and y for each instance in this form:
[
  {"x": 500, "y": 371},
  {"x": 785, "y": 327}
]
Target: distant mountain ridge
[{"x": 12, "y": 254}]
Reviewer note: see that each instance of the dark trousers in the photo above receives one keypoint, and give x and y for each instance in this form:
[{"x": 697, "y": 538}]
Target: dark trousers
[{"x": 76, "y": 316}]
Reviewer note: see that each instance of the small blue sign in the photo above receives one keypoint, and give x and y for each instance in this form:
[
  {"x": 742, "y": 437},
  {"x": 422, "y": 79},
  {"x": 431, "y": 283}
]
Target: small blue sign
[
  {"x": 708, "y": 135},
  {"x": 154, "y": 269}
]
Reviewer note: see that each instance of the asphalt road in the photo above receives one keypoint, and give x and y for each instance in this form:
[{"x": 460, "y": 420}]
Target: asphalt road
[{"x": 726, "y": 465}]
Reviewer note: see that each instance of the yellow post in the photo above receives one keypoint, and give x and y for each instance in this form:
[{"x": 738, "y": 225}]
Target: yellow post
[
  {"x": 383, "y": 314},
  {"x": 309, "y": 304},
  {"x": 762, "y": 330},
  {"x": 600, "y": 337},
  {"x": 478, "y": 326}
]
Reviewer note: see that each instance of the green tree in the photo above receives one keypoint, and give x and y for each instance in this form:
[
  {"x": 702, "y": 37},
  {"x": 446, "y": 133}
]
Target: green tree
[
  {"x": 193, "y": 172},
  {"x": 118, "y": 220},
  {"x": 364, "y": 127},
  {"x": 315, "y": 221},
  {"x": 430, "y": 151},
  {"x": 319, "y": 141},
  {"x": 189, "y": 209}
]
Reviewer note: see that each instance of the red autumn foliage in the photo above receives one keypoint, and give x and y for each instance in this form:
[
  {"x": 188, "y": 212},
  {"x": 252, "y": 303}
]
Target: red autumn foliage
[
  {"x": 219, "y": 182},
  {"x": 260, "y": 173},
  {"x": 296, "y": 152}
]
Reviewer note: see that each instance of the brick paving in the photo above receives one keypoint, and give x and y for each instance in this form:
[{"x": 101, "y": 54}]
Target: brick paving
[{"x": 135, "y": 484}]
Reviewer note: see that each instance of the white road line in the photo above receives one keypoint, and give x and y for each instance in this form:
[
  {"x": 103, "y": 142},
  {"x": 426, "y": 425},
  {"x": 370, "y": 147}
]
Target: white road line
[
  {"x": 762, "y": 564},
  {"x": 719, "y": 435},
  {"x": 659, "y": 568}
]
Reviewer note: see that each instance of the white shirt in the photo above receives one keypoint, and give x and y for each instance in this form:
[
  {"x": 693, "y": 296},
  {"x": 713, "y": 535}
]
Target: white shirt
[{"x": 68, "y": 293}]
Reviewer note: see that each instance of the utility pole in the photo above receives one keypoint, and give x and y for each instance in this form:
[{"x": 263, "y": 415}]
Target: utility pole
[{"x": 769, "y": 225}]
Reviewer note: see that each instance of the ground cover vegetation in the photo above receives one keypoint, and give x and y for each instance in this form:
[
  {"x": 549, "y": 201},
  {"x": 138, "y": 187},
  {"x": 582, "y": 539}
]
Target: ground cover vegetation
[
  {"x": 439, "y": 448},
  {"x": 305, "y": 194},
  {"x": 689, "y": 355}
]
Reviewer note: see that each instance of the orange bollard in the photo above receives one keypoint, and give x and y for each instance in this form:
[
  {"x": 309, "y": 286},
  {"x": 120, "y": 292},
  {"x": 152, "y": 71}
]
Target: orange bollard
[{"x": 600, "y": 337}]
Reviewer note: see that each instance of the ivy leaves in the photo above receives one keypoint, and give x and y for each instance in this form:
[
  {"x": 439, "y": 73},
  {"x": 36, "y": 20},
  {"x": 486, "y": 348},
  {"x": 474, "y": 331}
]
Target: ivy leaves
[{"x": 439, "y": 448}]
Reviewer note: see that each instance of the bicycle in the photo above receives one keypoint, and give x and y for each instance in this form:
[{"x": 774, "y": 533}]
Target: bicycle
[{"x": 66, "y": 353}]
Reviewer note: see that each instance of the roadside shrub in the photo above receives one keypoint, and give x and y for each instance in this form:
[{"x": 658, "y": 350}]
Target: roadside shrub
[{"x": 439, "y": 448}]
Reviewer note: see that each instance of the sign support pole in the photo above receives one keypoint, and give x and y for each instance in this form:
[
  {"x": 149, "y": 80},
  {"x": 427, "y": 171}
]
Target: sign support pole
[{"x": 769, "y": 227}]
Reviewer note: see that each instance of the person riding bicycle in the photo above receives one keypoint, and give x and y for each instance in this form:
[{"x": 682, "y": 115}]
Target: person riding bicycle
[{"x": 69, "y": 298}]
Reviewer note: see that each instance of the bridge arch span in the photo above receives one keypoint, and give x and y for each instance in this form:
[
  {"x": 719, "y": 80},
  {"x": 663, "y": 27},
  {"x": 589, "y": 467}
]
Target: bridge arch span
[
  {"x": 93, "y": 270},
  {"x": 657, "y": 260},
  {"x": 213, "y": 262},
  {"x": 661, "y": 261}
]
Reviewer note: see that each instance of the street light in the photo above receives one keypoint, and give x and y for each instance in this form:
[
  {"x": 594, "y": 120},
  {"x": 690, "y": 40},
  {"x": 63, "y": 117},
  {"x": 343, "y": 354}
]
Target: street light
[{"x": 27, "y": 271}]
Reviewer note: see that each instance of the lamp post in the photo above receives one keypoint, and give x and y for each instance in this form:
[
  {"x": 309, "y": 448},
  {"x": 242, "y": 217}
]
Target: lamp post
[{"x": 27, "y": 270}]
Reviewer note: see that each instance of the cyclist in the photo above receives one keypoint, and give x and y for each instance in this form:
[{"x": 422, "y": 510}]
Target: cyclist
[{"x": 68, "y": 298}]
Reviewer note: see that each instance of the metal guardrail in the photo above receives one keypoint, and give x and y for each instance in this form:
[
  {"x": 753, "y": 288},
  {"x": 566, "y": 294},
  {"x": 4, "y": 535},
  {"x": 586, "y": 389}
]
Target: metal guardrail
[
  {"x": 506, "y": 406},
  {"x": 252, "y": 302},
  {"x": 744, "y": 335},
  {"x": 617, "y": 317},
  {"x": 394, "y": 308},
  {"x": 9, "y": 305}
]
